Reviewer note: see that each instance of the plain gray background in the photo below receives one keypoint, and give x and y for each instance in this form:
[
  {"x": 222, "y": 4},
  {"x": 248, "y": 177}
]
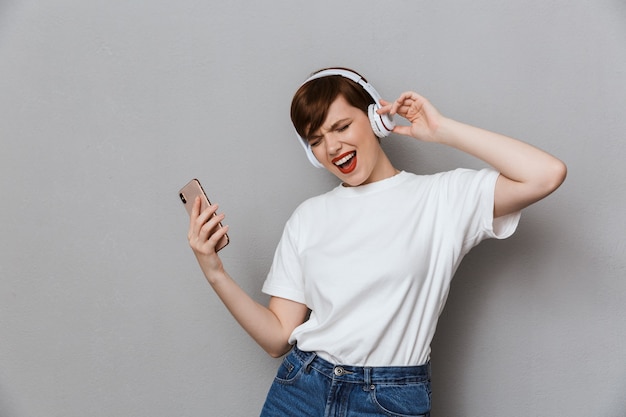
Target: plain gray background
[{"x": 108, "y": 107}]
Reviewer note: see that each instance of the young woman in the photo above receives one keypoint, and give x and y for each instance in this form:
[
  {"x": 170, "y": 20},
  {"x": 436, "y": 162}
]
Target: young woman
[{"x": 362, "y": 272}]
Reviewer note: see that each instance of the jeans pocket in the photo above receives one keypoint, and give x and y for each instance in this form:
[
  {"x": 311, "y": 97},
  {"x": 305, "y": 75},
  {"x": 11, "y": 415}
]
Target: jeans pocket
[
  {"x": 403, "y": 400},
  {"x": 288, "y": 370}
]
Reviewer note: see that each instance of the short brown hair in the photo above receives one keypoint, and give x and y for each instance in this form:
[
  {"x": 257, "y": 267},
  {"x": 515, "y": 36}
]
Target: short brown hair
[{"x": 309, "y": 106}]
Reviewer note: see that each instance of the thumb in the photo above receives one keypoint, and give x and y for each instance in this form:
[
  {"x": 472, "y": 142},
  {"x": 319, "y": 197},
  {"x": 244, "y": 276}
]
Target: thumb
[{"x": 402, "y": 130}]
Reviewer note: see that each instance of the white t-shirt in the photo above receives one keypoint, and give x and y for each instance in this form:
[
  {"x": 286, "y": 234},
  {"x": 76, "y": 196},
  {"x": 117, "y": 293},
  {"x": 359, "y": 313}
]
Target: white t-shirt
[{"x": 374, "y": 263}]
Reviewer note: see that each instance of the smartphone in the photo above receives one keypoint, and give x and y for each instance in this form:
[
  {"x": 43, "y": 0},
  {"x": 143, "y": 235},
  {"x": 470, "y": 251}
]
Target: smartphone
[{"x": 188, "y": 195}]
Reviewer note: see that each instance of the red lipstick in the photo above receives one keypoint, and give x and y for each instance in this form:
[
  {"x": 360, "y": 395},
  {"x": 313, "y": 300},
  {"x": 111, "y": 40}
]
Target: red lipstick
[{"x": 346, "y": 163}]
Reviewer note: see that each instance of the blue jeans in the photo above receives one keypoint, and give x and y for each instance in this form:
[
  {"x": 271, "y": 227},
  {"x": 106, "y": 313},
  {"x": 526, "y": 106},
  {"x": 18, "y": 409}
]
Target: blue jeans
[{"x": 308, "y": 386}]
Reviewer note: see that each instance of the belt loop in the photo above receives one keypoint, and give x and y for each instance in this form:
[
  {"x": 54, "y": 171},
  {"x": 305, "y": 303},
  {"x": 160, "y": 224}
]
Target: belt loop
[
  {"x": 367, "y": 379},
  {"x": 310, "y": 359}
]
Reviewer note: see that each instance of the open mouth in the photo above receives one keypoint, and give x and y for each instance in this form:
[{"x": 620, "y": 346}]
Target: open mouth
[{"x": 346, "y": 162}]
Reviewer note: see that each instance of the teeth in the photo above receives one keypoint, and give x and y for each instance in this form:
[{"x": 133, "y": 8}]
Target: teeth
[{"x": 344, "y": 159}]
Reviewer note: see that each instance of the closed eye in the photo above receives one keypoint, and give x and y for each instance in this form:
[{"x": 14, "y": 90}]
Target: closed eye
[
  {"x": 343, "y": 127},
  {"x": 339, "y": 126},
  {"x": 314, "y": 141}
]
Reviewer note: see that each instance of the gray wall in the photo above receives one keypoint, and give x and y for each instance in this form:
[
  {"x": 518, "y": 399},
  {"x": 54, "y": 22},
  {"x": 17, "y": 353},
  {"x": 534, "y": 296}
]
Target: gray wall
[{"x": 108, "y": 107}]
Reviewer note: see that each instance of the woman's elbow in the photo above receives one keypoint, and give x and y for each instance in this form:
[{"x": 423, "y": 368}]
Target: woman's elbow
[
  {"x": 278, "y": 351},
  {"x": 555, "y": 175}
]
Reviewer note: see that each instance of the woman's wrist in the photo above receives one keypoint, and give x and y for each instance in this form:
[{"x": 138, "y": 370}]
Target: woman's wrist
[
  {"x": 213, "y": 271},
  {"x": 217, "y": 277},
  {"x": 444, "y": 132}
]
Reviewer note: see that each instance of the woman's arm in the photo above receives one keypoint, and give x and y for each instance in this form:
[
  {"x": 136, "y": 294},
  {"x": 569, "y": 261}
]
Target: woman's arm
[
  {"x": 528, "y": 174},
  {"x": 269, "y": 326}
]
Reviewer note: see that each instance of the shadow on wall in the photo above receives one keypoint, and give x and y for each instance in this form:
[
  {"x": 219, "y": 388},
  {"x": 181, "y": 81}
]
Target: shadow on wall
[
  {"x": 484, "y": 282},
  {"x": 454, "y": 344},
  {"x": 545, "y": 267}
]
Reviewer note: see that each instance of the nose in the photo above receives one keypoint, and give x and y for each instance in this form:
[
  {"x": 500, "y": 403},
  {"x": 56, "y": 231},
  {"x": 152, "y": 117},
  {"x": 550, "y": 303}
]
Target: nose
[{"x": 333, "y": 145}]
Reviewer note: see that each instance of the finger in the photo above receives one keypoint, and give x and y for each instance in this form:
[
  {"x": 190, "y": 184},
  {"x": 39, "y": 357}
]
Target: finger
[
  {"x": 401, "y": 109},
  {"x": 206, "y": 214},
  {"x": 216, "y": 237},
  {"x": 195, "y": 209},
  {"x": 410, "y": 95},
  {"x": 408, "y": 98},
  {"x": 402, "y": 130},
  {"x": 198, "y": 219},
  {"x": 193, "y": 217},
  {"x": 402, "y": 103},
  {"x": 384, "y": 108},
  {"x": 210, "y": 246},
  {"x": 210, "y": 227}
]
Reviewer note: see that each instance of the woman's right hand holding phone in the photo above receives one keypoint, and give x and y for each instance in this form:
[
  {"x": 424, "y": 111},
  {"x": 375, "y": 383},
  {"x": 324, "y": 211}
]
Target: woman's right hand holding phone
[{"x": 204, "y": 235}]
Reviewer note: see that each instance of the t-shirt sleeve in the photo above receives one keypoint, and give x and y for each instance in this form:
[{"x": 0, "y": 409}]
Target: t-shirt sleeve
[
  {"x": 471, "y": 195},
  {"x": 285, "y": 278}
]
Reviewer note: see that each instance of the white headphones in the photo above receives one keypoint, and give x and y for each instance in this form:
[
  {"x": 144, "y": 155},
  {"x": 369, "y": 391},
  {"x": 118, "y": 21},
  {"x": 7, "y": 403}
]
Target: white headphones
[{"x": 382, "y": 124}]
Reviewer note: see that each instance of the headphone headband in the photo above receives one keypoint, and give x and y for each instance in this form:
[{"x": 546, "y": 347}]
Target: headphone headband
[{"x": 351, "y": 75}]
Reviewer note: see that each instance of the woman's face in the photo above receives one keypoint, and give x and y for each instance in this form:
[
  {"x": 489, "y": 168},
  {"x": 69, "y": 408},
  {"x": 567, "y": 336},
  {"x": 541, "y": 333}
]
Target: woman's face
[{"x": 347, "y": 147}]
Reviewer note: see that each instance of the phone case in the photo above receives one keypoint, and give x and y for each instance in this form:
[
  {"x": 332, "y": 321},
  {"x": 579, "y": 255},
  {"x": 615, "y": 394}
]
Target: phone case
[{"x": 187, "y": 196}]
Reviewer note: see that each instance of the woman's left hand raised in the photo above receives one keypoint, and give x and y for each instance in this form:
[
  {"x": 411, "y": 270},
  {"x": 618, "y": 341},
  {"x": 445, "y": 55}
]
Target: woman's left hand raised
[{"x": 423, "y": 116}]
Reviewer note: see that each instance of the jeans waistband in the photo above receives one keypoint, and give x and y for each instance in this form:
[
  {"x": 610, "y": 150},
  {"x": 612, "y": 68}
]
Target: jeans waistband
[{"x": 363, "y": 374}]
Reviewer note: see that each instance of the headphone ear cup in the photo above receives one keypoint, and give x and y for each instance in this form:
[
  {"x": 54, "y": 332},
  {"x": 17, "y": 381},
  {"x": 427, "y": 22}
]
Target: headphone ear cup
[
  {"x": 309, "y": 152},
  {"x": 382, "y": 124},
  {"x": 312, "y": 159}
]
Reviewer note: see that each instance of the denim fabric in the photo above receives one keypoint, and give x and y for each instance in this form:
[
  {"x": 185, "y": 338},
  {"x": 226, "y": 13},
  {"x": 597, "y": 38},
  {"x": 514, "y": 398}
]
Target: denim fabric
[{"x": 308, "y": 386}]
